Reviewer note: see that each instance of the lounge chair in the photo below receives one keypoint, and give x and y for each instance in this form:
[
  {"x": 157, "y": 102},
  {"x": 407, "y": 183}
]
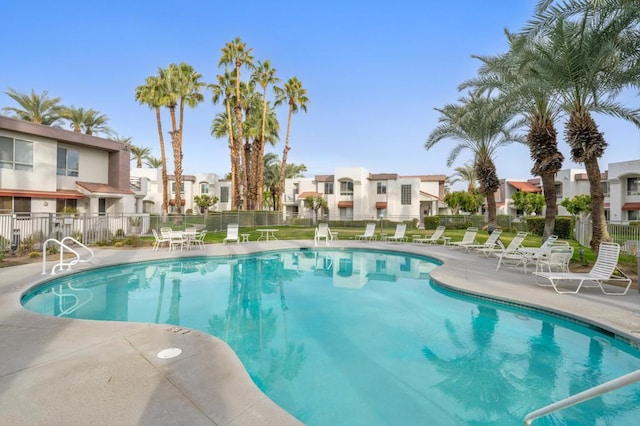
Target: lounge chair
[
  {"x": 543, "y": 249},
  {"x": 398, "y": 236},
  {"x": 511, "y": 255},
  {"x": 322, "y": 231},
  {"x": 232, "y": 233},
  {"x": 433, "y": 239},
  {"x": 603, "y": 271},
  {"x": 556, "y": 259},
  {"x": 369, "y": 232},
  {"x": 159, "y": 240},
  {"x": 469, "y": 238},
  {"x": 489, "y": 245}
]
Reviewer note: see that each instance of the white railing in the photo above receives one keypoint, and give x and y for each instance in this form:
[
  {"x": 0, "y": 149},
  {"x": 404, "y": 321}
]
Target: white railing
[
  {"x": 62, "y": 246},
  {"x": 607, "y": 387}
]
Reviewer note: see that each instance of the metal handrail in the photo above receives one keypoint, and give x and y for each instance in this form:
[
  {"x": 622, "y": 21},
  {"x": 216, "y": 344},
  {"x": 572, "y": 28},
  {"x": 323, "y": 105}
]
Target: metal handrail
[
  {"x": 63, "y": 246},
  {"x": 578, "y": 398}
]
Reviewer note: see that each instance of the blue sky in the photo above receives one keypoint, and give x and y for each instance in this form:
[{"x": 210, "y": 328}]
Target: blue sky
[{"x": 374, "y": 71}]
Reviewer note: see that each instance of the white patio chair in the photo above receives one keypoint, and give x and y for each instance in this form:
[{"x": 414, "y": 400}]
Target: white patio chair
[
  {"x": 602, "y": 272},
  {"x": 398, "y": 236},
  {"x": 469, "y": 238},
  {"x": 176, "y": 239},
  {"x": 433, "y": 239},
  {"x": 199, "y": 240},
  {"x": 232, "y": 233},
  {"x": 556, "y": 259},
  {"x": 489, "y": 245},
  {"x": 369, "y": 232},
  {"x": 322, "y": 232},
  {"x": 511, "y": 255},
  {"x": 159, "y": 240}
]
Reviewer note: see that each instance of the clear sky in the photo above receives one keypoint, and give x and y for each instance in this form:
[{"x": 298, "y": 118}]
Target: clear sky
[{"x": 374, "y": 70}]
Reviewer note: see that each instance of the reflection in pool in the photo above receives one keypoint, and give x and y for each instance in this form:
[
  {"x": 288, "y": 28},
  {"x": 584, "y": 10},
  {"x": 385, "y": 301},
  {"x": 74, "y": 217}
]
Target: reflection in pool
[{"x": 356, "y": 337}]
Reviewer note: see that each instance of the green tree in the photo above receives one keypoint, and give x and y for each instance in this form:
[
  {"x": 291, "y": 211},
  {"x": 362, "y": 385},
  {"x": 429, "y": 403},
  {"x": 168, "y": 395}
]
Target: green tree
[
  {"x": 204, "y": 201},
  {"x": 138, "y": 154},
  {"x": 152, "y": 162},
  {"x": 466, "y": 174},
  {"x": 88, "y": 121},
  {"x": 151, "y": 94},
  {"x": 315, "y": 203},
  {"x": 482, "y": 125},
  {"x": 296, "y": 97},
  {"x": 528, "y": 202},
  {"x": 35, "y": 108},
  {"x": 588, "y": 53},
  {"x": 578, "y": 206}
]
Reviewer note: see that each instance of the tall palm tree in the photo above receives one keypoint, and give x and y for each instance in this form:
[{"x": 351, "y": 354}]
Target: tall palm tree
[
  {"x": 513, "y": 75},
  {"x": 236, "y": 54},
  {"x": 479, "y": 124},
  {"x": 587, "y": 60},
  {"x": 35, "y": 108},
  {"x": 264, "y": 75},
  {"x": 151, "y": 94},
  {"x": 296, "y": 97},
  {"x": 224, "y": 88},
  {"x": 88, "y": 121},
  {"x": 466, "y": 173},
  {"x": 139, "y": 153}
]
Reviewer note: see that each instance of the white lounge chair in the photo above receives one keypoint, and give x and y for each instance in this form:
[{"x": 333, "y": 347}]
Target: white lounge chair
[
  {"x": 603, "y": 271},
  {"x": 398, "y": 236},
  {"x": 232, "y": 233},
  {"x": 556, "y": 259},
  {"x": 489, "y": 245},
  {"x": 369, "y": 232},
  {"x": 322, "y": 232},
  {"x": 511, "y": 255},
  {"x": 469, "y": 238},
  {"x": 433, "y": 239}
]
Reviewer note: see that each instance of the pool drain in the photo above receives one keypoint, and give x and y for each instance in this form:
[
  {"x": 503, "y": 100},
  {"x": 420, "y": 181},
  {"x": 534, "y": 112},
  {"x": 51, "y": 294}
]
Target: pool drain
[{"x": 169, "y": 353}]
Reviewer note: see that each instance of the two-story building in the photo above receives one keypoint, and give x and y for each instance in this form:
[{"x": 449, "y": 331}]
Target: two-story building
[
  {"x": 352, "y": 193},
  {"x": 46, "y": 169}
]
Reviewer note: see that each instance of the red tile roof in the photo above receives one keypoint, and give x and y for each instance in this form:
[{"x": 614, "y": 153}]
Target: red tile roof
[{"x": 525, "y": 186}]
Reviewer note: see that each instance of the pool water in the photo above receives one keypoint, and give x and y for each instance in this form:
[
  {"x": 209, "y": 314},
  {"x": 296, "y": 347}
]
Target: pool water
[{"x": 359, "y": 337}]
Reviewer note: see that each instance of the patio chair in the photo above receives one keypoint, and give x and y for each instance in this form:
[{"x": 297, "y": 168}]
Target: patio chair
[
  {"x": 164, "y": 231},
  {"x": 369, "y": 232},
  {"x": 602, "y": 272},
  {"x": 489, "y": 245},
  {"x": 232, "y": 233},
  {"x": 398, "y": 236},
  {"x": 176, "y": 239},
  {"x": 433, "y": 239},
  {"x": 511, "y": 255},
  {"x": 469, "y": 238},
  {"x": 159, "y": 240},
  {"x": 556, "y": 259},
  {"x": 322, "y": 231},
  {"x": 199, "y": 240}
]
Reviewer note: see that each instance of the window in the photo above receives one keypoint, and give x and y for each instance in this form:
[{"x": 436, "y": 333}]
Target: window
[
  {"x": 633, "y": 186},
  {"x": 224, "y": 194},
  {"x": 605, "y": 188},
  {"x": 173, "y": 187},
  {"x": 5, "y": 204},
  {"x": 296, "y": 188},
  {"x": 346, "y": 213},
  {"x": 382, "y": 188},
  {"x": 22, "y": 204},
  {"x": 633, "y": 214},
  {"x": 346, "y": 187},
  {"x": 405, "y": 194},
  {"x": 328, "y": 188},
  {"x": 381, "y": 212},
  {"x": 16, "y": 154},
  {"x": 381, "y": 266},
  {"x": 63, "y": 205},
  {"x": 204, "y": 188},
  {"x": 68, "y": 162},
  {"x": 558, "y": 190}
]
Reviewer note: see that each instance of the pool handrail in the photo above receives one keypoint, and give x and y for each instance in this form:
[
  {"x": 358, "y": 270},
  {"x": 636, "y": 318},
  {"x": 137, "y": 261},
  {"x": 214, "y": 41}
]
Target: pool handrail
[
  {"x": 63, "y": 246},
  {"x": 578, "y": 398}
]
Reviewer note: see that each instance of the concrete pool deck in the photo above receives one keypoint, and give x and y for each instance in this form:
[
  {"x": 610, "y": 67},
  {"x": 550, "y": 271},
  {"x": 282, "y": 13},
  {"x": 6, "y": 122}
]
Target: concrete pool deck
[{"x": 57, "y": 371}]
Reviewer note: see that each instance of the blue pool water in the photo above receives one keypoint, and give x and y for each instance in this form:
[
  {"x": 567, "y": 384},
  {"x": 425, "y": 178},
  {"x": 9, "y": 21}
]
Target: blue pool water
[{"x": 355, "y": 337}]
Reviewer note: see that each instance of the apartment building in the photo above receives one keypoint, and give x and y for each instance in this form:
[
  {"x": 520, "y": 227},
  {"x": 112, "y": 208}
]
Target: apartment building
[
  {"x": 353, "y": 193},
  {"x": 46, "y": 169}
]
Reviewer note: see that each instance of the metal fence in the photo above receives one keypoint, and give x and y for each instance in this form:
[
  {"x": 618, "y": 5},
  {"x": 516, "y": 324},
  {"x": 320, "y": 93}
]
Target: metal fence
[{"x": 628, "y": 236}]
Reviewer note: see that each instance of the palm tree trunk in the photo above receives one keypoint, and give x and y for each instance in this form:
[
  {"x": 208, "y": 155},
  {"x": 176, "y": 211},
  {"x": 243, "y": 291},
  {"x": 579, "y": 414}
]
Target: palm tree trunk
[
  {"x": 163, "y": 157},
  {"x": 600, "y": 231},
  {"x": 237, "y": 195},
  {"x": 551, "y": 201},
  {"x": 177, "y": 159},
  {"x": 283, "y": 168},
  {"x": 259, "y": 169},
  {"x": 232, "y": 153}
]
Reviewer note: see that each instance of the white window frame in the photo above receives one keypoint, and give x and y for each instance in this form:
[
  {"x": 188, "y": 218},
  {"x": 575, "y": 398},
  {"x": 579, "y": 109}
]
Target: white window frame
[{"x": 15, "y": 159}]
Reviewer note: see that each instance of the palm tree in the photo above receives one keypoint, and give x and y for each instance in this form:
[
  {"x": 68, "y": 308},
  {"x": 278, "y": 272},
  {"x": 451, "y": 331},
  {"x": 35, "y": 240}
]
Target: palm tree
[
  {"x": 296, "y": 97},
  {"x": 152, "y": 162},
  {"x": 223, "y": 88},
  {"x": 138, "y": 154},
  {"x": 588, "y": 62},
  {"x": 481, "y": 125},
  {"x": 151, "y": 94},
  {"x": 236, "y": 54},
  {"x": 264, "y": 75},
  {"x": 466, "y": 173},
  {"x": 513, "y": 74},
  {"x": 35, "y": 108},
  {"x": 272, "y": 177},
  {"x": 88, "y": 121}
]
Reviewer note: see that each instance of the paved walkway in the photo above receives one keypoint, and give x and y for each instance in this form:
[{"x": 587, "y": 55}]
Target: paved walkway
[{"x": 56, "y": 371}]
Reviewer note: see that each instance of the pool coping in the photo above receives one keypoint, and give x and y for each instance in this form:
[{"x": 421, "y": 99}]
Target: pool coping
[{"x": 56, "y": 370}]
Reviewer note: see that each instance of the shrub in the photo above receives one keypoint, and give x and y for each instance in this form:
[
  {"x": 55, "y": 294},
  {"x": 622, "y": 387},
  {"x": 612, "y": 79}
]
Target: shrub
[
  {"x": 34, "y": 254},
  {"x": 564, "y": 227},
  {"x": 119, "y": 244},
  {"x": 431, "y": 222},
  {"x": 535, "y": 225}
]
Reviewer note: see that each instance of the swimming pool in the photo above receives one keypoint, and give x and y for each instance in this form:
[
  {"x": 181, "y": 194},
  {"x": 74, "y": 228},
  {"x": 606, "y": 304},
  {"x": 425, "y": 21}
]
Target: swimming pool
[{"x": 361, "y": 337}]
